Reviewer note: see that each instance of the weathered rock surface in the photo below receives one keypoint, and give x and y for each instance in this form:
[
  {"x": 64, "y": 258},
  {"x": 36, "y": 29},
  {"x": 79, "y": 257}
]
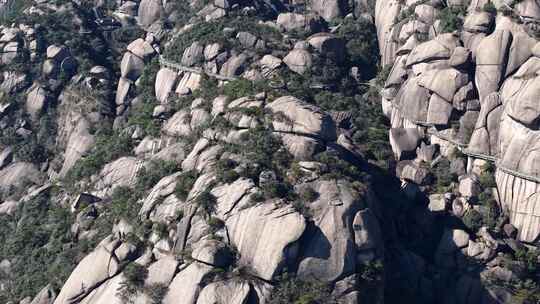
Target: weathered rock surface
[
  {"x": 17, "y": 174},
  {"x": 229, "y": 292},
  {"x": 149, "y": 11},
  {"x": 301, "y": 118},
  {"x": 255, "y": 232},
  {"x": 186, "y": 285},
  {"x": 93, "y": 270},
  {"x": 121, "y": 172},
  {"x": 329, "y": 251}
]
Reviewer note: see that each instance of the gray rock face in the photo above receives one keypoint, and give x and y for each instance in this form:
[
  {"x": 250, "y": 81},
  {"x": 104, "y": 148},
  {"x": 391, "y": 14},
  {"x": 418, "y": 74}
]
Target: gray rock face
[
  {"x": 385, "y": 14},
  {"x": 439, "y": 110},
  {"x": 202, "y": 157},
  {"x": 229, "y": 292},
  {"x": 469, "y": 186},
  {"x": 443, "y": 82},
  {"x": 291, "y": 21},
  {"x": 411, "y": 171},
  {"x": 17, "y": 174},
  {"x": 141, "y": 48},
  {"x": 6, "y": 156},
  {"x": 149, "y": 12},
  {"x": 329, "y": 45},
  {"x": 328, "y": 9},
  {"x": 329, "y": 250},
  {"x": 131, "y": 66},
  {"x": 121, "y": 172},
  {"x": 301, "y": 147},
  {"x": 256, "y": 233},
  {"x": 186, "y": 285},
  {"x": 478, "y": 22},
  {"x": 491, "y": 54},
  {"x": 211, "y": 51},
  {"x": 162, "y": 271},
  {"x": 485, "y": 137},
  {"x": 230, "y": 197},
  {"x": 47, "y": 295},
  {"x": 522, "y": 198},
  {"x": 178, "y": 124},
  {"x": 442, "y": 47},
  {"x": 189, "y": 83},
  {"x": 165, "y": 82},
  {"x": 518, "y": 146},
  {"x": 94, "y": 269},
  {"x": 212, "y": 252},
  {"x": 298, "y": 61},
  {"x": 404, "y": 141},
  {"x": 122, "y": 92},
  {"x": 413, "y": 101},
  {"x": 193, "y": 54},
  {"x": 234, "y": 66},
  {"x": 246, "y": 39},
  {"x": 302, "y": 118},
  {"x": 521, "y": 106},
  {"x": 12, "y": 82},
  {"x": 36, "y": 102},
  {"x": 367, "y": 236},
  {"x": 161, "y": 190},
  {"x": 107, "y": 292}
]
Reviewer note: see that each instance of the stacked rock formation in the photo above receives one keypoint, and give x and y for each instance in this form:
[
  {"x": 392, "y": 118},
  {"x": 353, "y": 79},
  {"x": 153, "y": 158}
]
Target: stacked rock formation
[{"x": 474, "y": 89}]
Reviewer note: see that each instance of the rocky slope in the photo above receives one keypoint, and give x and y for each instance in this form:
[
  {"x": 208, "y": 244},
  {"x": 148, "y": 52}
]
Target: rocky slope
[{"x": 238, "y": 152}]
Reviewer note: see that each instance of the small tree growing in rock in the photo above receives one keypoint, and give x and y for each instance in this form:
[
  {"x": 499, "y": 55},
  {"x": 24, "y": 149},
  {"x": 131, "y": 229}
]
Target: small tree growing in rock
[{"x": 135, "y": 275}]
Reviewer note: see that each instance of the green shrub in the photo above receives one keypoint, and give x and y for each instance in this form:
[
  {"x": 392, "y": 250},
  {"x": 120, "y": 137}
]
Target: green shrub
[
  {"x": 262, "y": 151},
  {"x": 238, "y": 88},
  {"x": 13, "y": 10},
  {"x": 292, "y": 290},
  {"x": 150, "y": 175},
  {"x": 160, "y": 229},
  {"x": 338, "y": 168},
  {"x": 308, "y": 195},
  {"x": 257, "y": 197},
  {"x": 490, "y": 213},
  {"x": 473, "y": 220},
  {"x": 208, "y": 89},
  {"x": 279, "y": 189},
  {"x": 156, "y": 292},
  {"x": 489, "y": 8},
  {"x": 451, "y": 19},
  {"x": 215, "y": 224},
  {"x": 135, "y": 275},
  {"x": 487, "y": 178},
  {"x": 361, "y": 47},
  {"x": 372, "y": 271},
  {"x": 124, "y": 204},
  {"x": 184, "y": 184},
  {"x": 142, "y": 115},
  {"x": 530, "y": 260},
  {"x": 443, "y": 176},
  {"x": 38, "y": 241},
  {"x": 206, "y": 201},
  {"x": 212, "y": 32},
  {"x": 225, "y": 171}
]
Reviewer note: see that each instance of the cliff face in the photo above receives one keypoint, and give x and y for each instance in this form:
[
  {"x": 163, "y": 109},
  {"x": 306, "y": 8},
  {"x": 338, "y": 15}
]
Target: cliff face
[
  {"x": 238, "y": 152},
  {"x": 187, "y": 152},
  {"x": 481, "y": 76},
  {"x": 460, "y": 91}
]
